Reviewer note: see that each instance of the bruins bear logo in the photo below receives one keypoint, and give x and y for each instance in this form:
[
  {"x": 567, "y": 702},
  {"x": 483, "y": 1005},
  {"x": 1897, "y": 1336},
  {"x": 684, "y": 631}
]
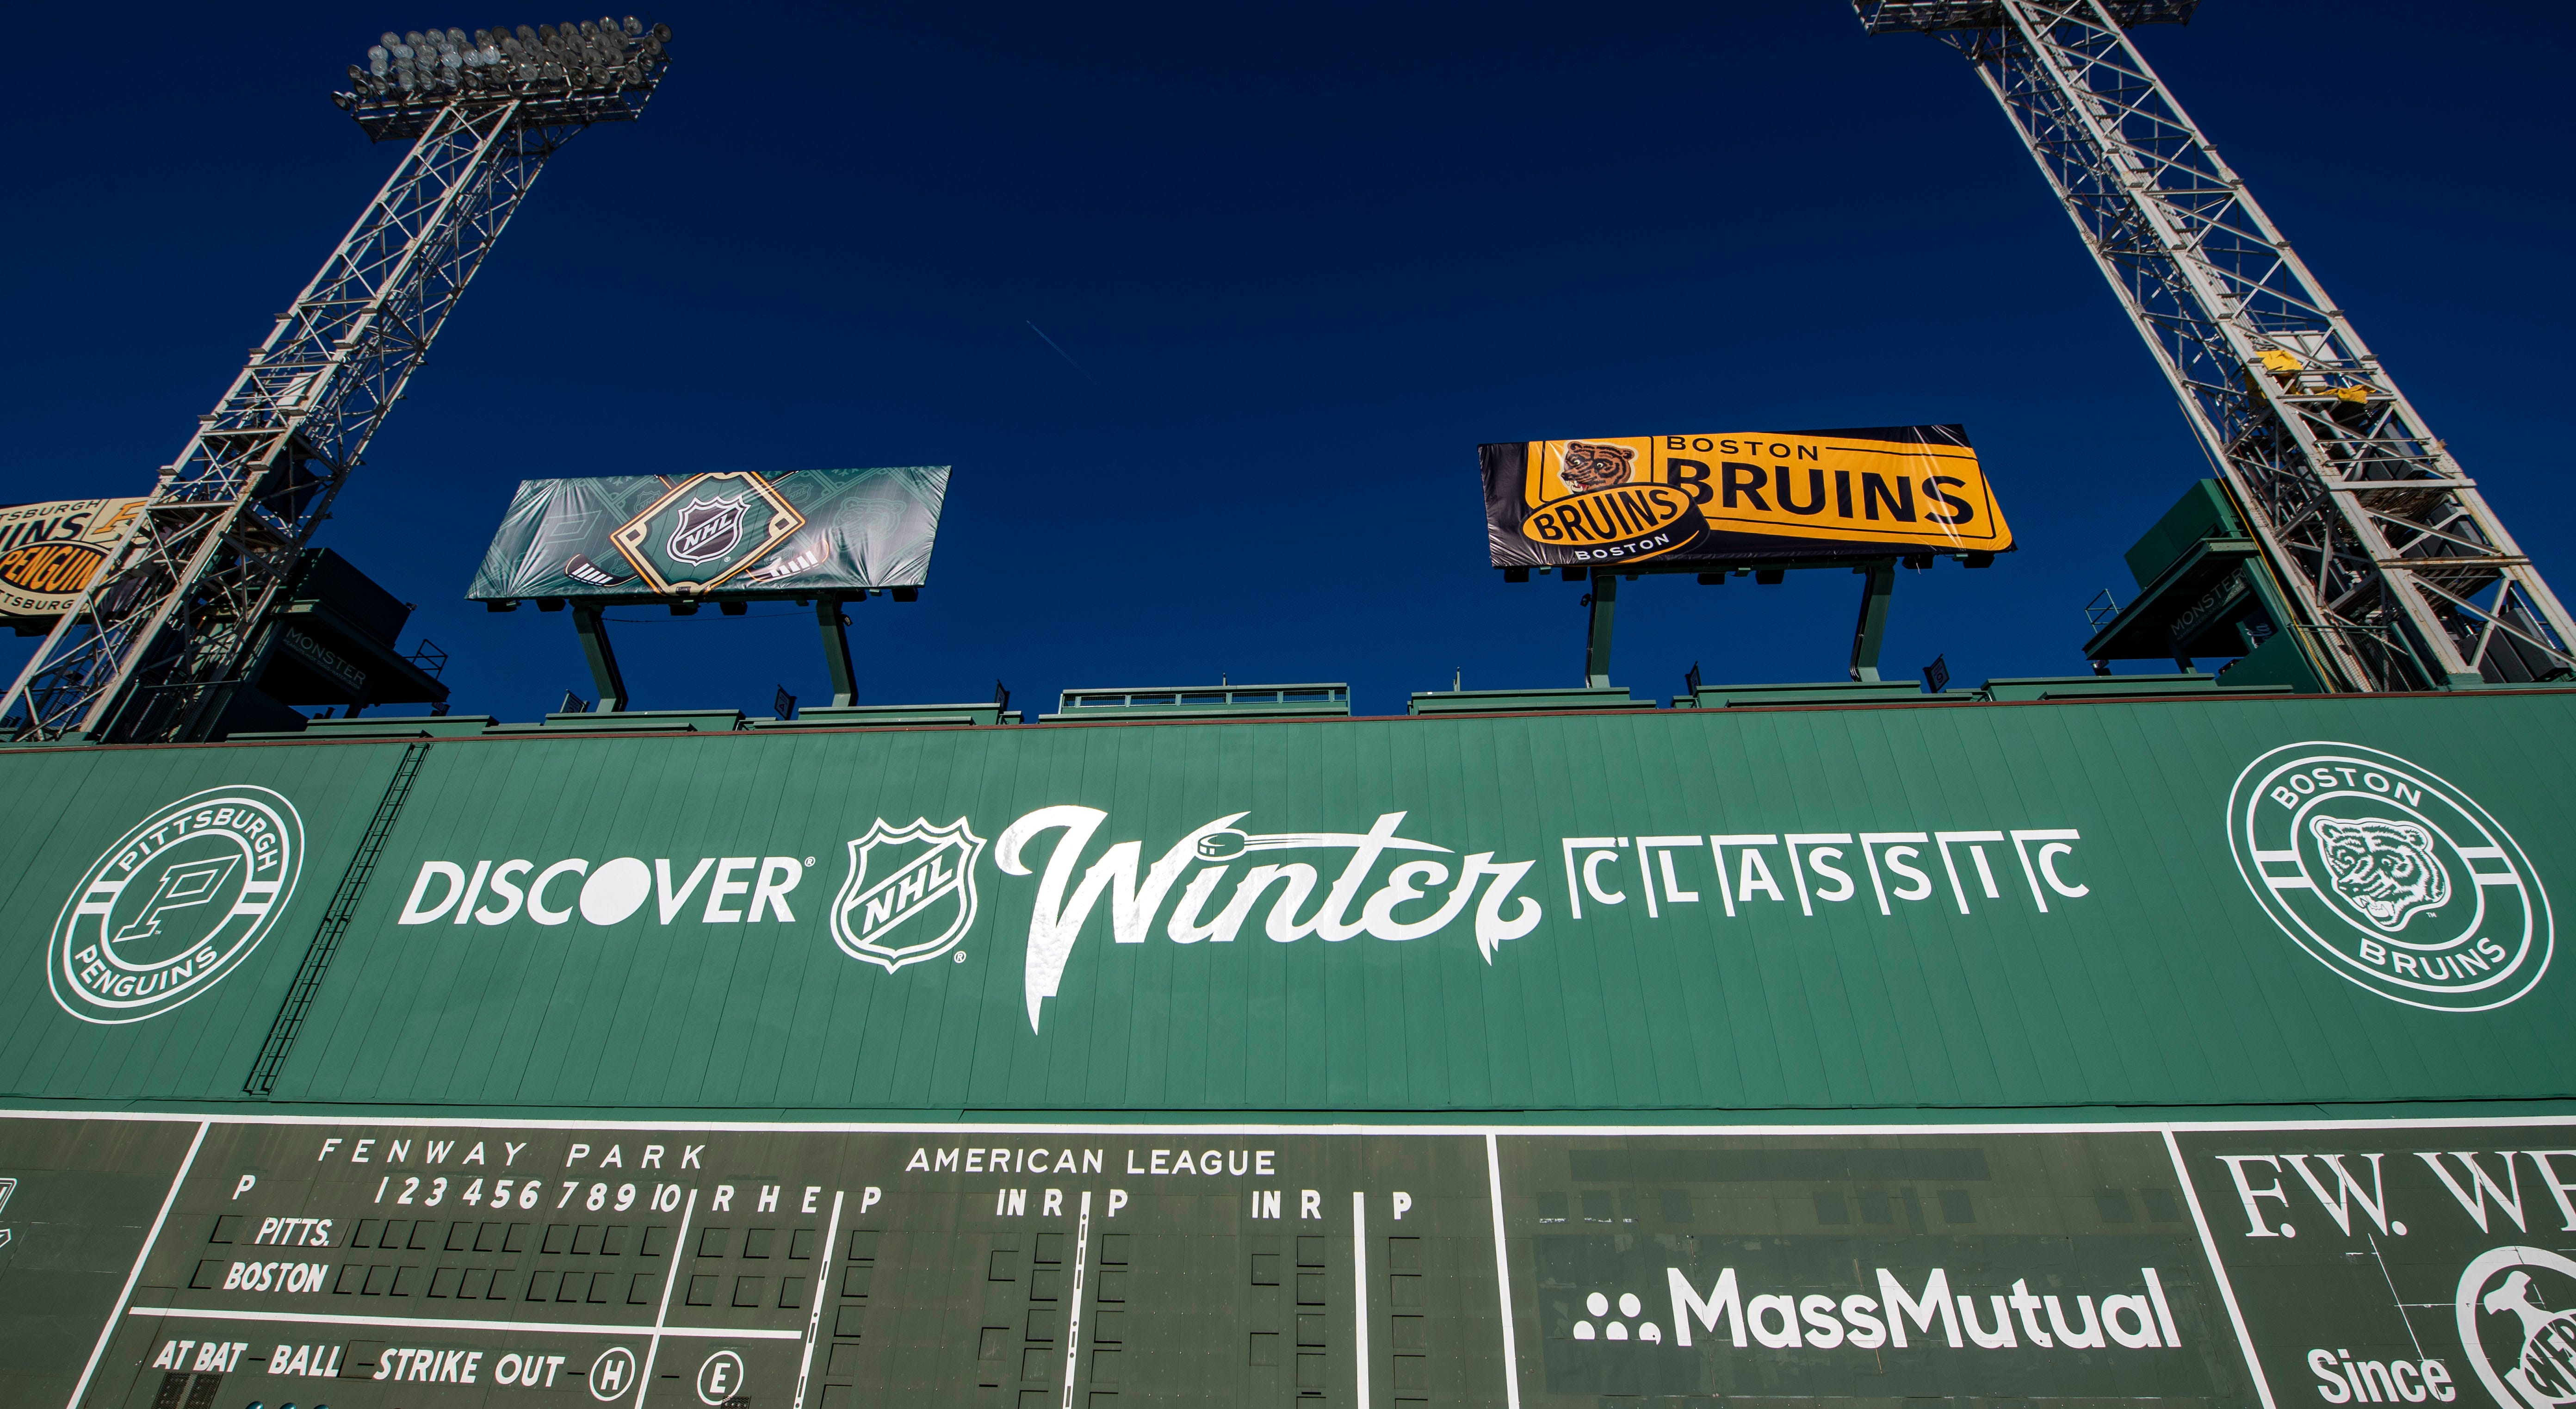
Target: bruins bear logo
[
  {"x": 2384, "y": 869},
  {"x": 1591, "y": 465}
]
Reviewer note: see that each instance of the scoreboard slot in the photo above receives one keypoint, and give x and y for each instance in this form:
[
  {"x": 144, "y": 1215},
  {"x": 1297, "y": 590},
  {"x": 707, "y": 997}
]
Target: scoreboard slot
[{"x": 1276, "y": 1271}]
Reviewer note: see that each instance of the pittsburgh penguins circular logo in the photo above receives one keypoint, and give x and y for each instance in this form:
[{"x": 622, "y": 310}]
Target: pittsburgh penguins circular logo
[
  {"x": 177, "y": 903},
  {"x": 2388, "y": 875}
]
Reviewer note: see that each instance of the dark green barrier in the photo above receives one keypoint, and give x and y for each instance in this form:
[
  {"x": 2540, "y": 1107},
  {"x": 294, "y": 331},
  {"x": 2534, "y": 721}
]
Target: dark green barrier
[
  {"x": 419, "y": 1262},
  {"x": 2186, "y": 903}
]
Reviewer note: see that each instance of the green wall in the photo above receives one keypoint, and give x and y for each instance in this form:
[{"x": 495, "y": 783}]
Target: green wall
[{"x": 2164, "y": 983}]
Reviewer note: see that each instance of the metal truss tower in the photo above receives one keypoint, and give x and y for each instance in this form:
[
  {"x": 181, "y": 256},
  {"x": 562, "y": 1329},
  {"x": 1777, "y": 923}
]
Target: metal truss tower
[
  {"x": 2405, "y": 578},
  {"x": 151, "y": 647}
]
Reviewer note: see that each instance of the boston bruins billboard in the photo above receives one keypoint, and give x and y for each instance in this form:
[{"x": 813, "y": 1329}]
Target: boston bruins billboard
[
  {"x": 735, "y": 533},
  {"x": 1743, "y": 497}
]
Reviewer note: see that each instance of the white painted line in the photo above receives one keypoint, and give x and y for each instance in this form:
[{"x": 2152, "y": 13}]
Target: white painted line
[
  {"x": 1359, "y": 1284},
  {"x": 680, "y": 1256},
  {"x": 822, "y": 1293},
  {"x": 1502, "y": 1274},
  {"x": 2218, "y": 1269},
  {"x": 1073, "y": 1326},
  {"x": 135, "y": 1274},
  {"x": 1222, "y": 1127},
  {"x": 459, "y": 1323}
]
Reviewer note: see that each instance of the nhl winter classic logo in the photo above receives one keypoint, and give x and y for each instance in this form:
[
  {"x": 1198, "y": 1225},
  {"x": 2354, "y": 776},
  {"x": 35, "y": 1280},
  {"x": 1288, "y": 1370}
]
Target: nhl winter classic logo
[
  {"x": 177, "y": 903},
  {"x": 2390, "y": 876},
  {"x": 910, "y": 895}
]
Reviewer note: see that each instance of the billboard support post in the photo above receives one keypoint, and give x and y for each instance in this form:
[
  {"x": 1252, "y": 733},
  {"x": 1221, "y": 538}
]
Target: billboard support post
[
  {"x": 836, "y": 650},
  {"x": 593, "y": 627},
  {"x": 1871, "y": 631},
  {"x": 1596, "y": 644}
]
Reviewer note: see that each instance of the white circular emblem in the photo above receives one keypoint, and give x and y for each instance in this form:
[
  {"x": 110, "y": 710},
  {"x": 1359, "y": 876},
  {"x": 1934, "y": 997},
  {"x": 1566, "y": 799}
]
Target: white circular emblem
[
  {"x": 2523, "y": 1351},
  {"x": 177, "y": 903},
  {"x": 2390, "y": 876}
]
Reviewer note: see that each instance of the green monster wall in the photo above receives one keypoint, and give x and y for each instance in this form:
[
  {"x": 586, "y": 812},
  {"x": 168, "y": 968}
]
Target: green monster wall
[
  {"x": 2197, "y": 1052},
  {"x": 1654, "y": 915}
]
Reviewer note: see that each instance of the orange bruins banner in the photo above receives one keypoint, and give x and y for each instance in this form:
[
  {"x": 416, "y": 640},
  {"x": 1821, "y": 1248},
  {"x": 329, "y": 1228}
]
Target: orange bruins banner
[
  {"x": 49, "y": 552},
  {"x": 1739, "y": 498}
]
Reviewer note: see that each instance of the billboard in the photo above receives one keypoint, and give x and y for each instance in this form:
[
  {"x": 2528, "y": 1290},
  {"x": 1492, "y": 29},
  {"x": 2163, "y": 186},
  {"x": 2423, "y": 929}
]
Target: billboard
[
  {"x": 49, "y": 552},
  {"x": 1684, "y": 501},
  {"x": 734, "y": 533}
]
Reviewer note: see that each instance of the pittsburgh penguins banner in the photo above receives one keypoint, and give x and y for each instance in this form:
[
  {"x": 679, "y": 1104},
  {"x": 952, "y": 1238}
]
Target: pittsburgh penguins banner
[
  {"x": 49, "y": 552},
  {"x": 1741, "y": 497},
  {"x": 735, "y": 534}
]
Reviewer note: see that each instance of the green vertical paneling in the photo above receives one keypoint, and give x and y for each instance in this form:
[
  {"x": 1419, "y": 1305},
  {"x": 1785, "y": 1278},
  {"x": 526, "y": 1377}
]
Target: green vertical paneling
[
  {"x": 66, "y": 806},
  {"x": 2167, "y": 985}
]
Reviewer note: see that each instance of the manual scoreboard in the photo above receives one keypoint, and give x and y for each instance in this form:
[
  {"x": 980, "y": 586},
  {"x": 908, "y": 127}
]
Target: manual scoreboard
[{"x": 164, "y": 1263}]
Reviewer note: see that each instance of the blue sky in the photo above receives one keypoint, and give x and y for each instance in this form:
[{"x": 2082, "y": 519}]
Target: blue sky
[{"x": 1307, "y": 257}]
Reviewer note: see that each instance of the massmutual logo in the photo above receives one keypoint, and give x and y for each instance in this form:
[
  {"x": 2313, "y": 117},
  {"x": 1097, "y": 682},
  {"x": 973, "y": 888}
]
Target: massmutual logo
[
  {"x": 910, "y": 895},
  {"x": 177, "y": 903},
  {"x": 2390, "y": 876}
]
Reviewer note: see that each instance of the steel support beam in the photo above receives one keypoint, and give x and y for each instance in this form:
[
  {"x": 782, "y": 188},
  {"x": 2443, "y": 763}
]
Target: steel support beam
[
  {"x": 2399, "y": 574},
  {"x": 591, "y": 625},
  {"x": 1604, "y": 602},
  {"x": 1870, "y": 632},
  {"x": 176, "y": 609},
  {"x": 836, "y": 650}
]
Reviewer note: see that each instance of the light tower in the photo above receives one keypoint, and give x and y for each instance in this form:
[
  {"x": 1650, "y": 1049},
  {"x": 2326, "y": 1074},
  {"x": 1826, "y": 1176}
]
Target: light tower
[
  {"x": 148, "y": 650},
  {"x": 2403, "y": 577}
]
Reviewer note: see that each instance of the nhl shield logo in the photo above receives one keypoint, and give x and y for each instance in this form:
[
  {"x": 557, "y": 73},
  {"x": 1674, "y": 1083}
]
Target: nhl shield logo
[
  {"x": 910, "y": 895},
  {"x": 700, "y": 534},
  {"x": 708, "y": 528}
]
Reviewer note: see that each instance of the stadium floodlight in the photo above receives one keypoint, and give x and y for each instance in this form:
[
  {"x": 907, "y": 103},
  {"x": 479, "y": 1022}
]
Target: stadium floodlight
[
  {"x": 153, "y": 648},
  {"x": 551, "y": 75}
]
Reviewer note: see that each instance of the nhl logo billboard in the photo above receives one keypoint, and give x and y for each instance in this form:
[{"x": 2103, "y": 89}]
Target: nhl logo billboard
[
  {"x": 2390, "y": 876},
  {"x": 731, "y": 533},
  {"x": 910, "y": 895}
]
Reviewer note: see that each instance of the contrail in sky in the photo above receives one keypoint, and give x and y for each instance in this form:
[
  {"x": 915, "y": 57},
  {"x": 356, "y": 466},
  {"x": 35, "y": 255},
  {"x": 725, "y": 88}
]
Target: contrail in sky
[{"x": 1060, "y": 352}]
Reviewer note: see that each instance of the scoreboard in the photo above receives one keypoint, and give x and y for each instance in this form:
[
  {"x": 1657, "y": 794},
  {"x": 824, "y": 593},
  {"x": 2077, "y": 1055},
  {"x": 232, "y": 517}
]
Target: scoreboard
[{"x": 157, "y": 1262}]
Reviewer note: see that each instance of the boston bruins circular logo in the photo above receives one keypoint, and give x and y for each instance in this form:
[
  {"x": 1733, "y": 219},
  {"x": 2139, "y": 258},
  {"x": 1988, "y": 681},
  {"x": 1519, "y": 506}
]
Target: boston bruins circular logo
[
  {"x": 177, "y": 903},
  {"x": 2388, "y": 875}
]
